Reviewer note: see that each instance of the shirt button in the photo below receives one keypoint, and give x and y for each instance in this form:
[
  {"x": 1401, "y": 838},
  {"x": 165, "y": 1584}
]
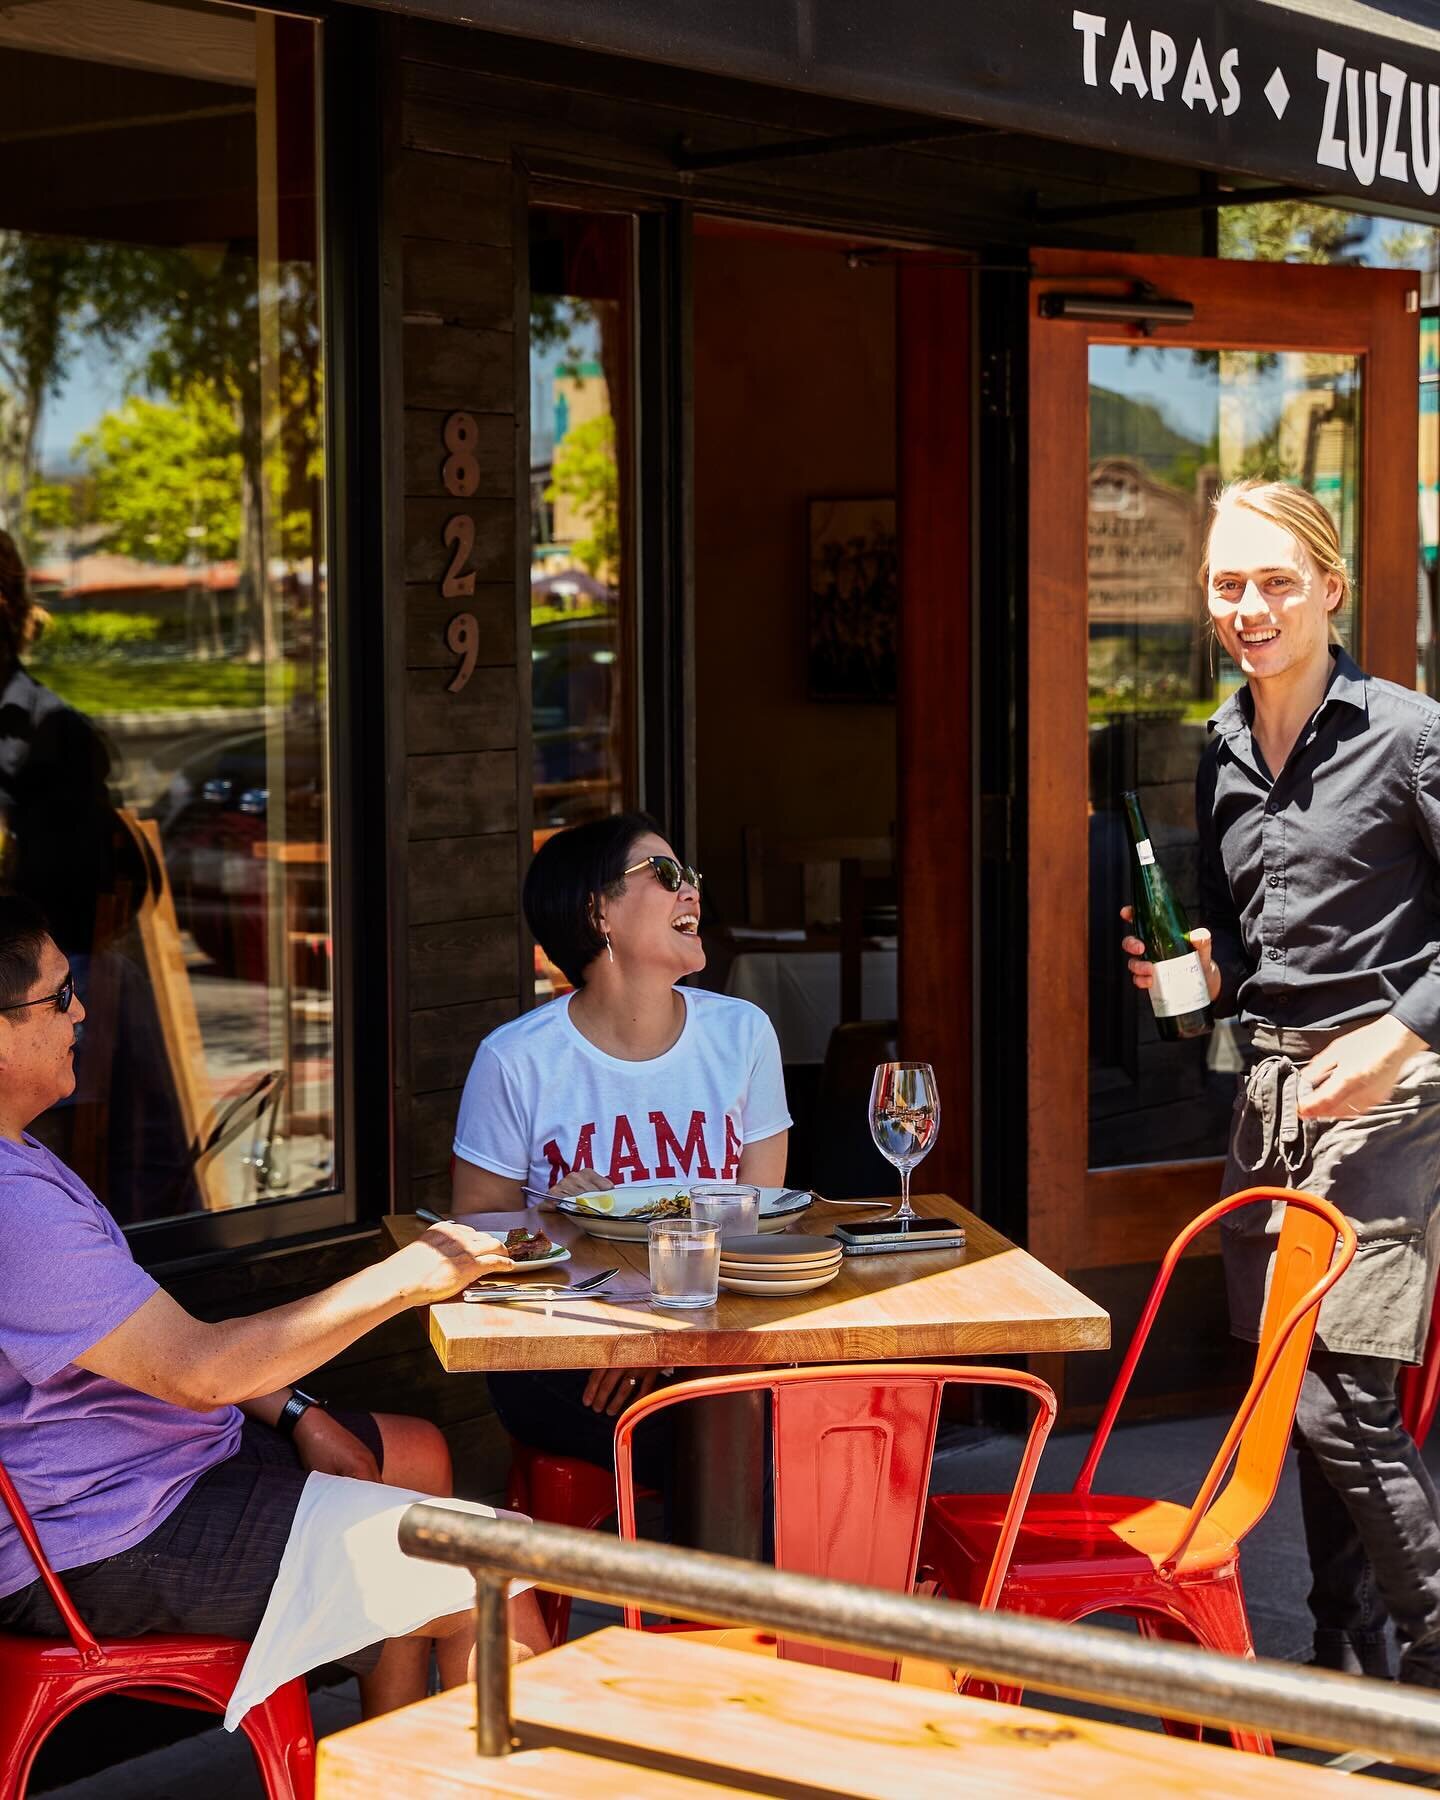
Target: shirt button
[
  {"x": 1274, "y": 955},
  {"x": 1274, "y": 881},
  {"x": 1272, "y": 806}
]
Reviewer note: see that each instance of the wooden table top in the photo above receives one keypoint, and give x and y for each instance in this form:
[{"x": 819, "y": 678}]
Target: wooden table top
[
  {"x": 624, "y": 1715},
  {"x": 989, "y": 1299}
]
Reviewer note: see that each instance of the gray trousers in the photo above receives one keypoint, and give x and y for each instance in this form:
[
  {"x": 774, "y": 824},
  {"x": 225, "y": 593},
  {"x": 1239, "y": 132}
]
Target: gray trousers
[{"x": 1372, "y": 1521}]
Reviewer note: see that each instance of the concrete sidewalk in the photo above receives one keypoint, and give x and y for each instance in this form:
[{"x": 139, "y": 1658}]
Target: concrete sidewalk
[{"x": 1165, "y": 1460}]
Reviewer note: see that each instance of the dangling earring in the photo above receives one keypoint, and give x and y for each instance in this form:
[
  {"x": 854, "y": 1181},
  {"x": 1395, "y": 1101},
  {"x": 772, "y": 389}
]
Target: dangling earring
[{"x": 609, "y": 947}]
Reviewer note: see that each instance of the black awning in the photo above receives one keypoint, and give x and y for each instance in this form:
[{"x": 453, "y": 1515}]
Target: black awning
[{"x": 1337, "y": 96}]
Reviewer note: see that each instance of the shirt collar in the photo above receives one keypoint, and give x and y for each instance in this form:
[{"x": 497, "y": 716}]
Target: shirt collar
[{"x": 1346, "y": 687}]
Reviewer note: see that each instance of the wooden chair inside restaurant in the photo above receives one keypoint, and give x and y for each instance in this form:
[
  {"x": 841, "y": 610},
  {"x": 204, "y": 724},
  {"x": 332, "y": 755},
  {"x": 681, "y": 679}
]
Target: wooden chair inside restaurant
[
  {"x": 832, "y": 885},
  {"x": 852, "y": 1445},
  {"x": 44, "y": 1680},
  {"x": 1174, "y": 1569},
  {"x": 844, "y": 1163}
]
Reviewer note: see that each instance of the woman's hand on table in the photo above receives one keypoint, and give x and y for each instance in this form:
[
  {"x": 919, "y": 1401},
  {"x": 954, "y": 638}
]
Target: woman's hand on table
[
  {"x": 578, "y": 1181},
  {"x": 446, "y": 1258},
  {"x": 324, "y": 1445},
  {"x": 612, "y": 1390}
]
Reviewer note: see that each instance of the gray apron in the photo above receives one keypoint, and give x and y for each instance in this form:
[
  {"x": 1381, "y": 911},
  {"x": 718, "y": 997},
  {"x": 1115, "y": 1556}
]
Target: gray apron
[{"x": 1381, "y": 1170}]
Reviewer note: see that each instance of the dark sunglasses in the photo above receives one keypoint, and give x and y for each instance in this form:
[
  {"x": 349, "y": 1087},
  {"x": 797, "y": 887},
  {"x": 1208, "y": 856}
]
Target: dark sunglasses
[
  {"x": 62, "y": 997},
  {"x": 669, "y": 873}
]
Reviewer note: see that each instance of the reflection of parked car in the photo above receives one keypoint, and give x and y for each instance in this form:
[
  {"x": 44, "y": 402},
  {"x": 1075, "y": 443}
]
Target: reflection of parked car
[
  {"x": 575, "y": 663},
  {"x": 212, "y": 817}
]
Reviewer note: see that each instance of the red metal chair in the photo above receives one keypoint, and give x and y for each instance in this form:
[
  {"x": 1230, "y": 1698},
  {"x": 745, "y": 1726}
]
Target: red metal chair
[
  {"x": 852, "y": 1448},
  {"x": 1420, "y": 1384},
  {"x": 1174, "y": 1569},
  {"x": 43, "y": 1680},
  {"x": 559, "y": 1490}
]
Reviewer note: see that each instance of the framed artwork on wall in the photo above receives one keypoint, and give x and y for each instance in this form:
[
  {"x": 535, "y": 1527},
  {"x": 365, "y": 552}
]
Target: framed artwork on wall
[{"x": 853, "y": 599}]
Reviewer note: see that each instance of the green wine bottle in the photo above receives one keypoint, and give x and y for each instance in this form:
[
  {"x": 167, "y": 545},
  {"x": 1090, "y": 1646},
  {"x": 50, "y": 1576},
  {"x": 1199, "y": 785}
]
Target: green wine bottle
[{"x": 1179, "y": 995}]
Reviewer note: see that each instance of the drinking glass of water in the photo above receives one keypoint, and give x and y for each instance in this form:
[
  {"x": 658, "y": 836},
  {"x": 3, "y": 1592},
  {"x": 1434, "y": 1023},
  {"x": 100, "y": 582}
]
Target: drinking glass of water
[
  {"x": 904, "y": 1120},
  {"x": 684, "y": 1262},
  {"x": 736, "y": 1210}
]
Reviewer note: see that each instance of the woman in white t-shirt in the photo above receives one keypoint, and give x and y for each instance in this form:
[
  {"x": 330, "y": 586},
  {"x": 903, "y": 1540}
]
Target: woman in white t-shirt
[{"x": 630, "y": 1078}]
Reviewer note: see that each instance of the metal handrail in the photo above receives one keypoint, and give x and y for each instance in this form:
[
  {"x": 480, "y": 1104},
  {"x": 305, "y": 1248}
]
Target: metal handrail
[{"x": 1328, "y": 1711}]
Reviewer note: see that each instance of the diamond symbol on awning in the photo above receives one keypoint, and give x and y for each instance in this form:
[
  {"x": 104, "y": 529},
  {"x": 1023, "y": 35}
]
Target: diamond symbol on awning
[{"x": 1278, "y": 94}]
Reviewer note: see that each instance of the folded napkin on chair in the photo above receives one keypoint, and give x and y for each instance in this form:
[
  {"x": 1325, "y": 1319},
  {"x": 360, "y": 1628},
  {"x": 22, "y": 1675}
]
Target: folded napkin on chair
[{"x": 345, "y": 1583}]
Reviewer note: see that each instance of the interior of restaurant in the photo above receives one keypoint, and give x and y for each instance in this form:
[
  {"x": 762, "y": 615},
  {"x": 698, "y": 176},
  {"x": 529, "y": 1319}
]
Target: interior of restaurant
[
  {"x": 795, "y": 616},
  {"x": 795, "y": 612}
]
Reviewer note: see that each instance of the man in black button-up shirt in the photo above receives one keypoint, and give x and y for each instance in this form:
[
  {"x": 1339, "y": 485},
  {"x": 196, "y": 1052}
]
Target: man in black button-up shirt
[{"x": 1318, "y": 804}]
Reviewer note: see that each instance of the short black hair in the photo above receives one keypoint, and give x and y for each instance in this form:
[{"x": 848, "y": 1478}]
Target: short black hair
[
  {"x": 23, "y": 936},
  {"x": 569, "y": 873}
]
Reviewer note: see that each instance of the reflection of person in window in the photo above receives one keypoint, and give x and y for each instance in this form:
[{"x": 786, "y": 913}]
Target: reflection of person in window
[{"x": 64, "y": 852}]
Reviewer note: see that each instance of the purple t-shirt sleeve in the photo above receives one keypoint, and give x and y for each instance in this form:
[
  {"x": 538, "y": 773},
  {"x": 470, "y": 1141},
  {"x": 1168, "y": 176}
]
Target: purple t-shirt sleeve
[{"x": 65, "y": 1280}]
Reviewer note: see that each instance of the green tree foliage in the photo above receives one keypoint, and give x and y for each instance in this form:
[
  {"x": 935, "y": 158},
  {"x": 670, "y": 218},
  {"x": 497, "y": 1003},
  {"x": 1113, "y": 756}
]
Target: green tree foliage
[
  {"x": 586, "y": 474},
  {"x": 1296, "y": 231},
  {"x": 164, "y": 470}
]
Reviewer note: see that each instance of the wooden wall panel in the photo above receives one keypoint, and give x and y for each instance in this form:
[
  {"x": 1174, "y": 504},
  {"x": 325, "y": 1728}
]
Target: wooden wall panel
[
  {"x": 428, "y": 615},
  {"x": 450, "y": 195},
  {"x": 471, "y": 878},
  {"x": 442, "y": 1040},
  {"x": 480, "y": 717},
  {"x": 456, "y": 796},
  {"x": 450, "y": 368},
  {"x": 425, "y": 452},
  {"x": 462, "y": 959}
]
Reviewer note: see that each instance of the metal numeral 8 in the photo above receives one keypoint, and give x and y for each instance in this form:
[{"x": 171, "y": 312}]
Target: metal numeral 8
[{"x": 461, "y": 472}]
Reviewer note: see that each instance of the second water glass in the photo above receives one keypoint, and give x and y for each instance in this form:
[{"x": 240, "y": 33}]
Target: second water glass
[{"x": 736, "y": 1210}]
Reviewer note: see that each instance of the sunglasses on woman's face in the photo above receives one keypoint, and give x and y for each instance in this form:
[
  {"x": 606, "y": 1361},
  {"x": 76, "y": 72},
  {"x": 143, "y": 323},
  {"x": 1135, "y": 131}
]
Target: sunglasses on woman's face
[{"x": 669, "y": 873}]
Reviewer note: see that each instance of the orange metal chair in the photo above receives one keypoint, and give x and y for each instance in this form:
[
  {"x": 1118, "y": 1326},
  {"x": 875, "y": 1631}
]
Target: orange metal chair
[
  {"x": 1174, "y": 1569},
  {"x": 852, "y": 1448},
  {"x": 43, "y": 1680}
]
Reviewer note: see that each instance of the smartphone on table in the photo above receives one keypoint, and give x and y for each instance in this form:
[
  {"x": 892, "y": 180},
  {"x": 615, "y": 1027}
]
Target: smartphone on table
[{"x": 867, "y": 1235}]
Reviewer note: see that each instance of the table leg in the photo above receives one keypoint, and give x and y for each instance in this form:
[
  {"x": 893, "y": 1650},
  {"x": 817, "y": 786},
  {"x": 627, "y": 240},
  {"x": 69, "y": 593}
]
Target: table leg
[{"x": 717, "y": 1496}]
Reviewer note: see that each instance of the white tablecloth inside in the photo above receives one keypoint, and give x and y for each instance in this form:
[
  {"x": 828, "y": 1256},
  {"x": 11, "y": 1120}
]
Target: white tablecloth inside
[{"x": 800, "y": 991}]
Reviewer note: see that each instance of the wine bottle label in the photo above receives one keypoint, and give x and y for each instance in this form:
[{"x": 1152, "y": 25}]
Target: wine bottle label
[
  {"x": 1180, "y": 986},
  {"x": 1145, "y": 853}
]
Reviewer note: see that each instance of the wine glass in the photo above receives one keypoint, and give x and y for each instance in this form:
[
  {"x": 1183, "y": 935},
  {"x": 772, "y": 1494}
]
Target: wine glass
[{"x": 904, "y": 1120}]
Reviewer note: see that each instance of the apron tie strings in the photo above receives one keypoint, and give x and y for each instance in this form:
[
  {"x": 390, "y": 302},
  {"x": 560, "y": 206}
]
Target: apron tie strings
[{"x": 1272, "y": 1103}]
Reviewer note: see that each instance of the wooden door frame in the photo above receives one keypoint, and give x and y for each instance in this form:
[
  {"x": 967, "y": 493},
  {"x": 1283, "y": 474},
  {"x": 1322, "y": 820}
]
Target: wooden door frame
[
  {"x": 1078, "y": 1216},
  {"x": 935, "y": 809}
]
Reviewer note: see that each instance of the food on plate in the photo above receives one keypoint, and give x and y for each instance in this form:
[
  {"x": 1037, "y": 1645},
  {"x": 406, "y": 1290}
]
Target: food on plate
[
  {"x": 527, "y": 1246},
  {"x": 664, "y": 1206}
]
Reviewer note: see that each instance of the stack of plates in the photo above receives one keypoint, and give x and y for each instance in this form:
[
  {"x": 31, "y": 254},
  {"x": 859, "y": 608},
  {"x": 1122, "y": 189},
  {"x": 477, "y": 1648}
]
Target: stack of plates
[{"x": 787, "y": 1264}]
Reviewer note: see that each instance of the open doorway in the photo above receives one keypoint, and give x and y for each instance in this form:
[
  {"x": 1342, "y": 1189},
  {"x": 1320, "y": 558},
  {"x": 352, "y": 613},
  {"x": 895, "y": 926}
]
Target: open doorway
[{"x": 796, "y": 664}]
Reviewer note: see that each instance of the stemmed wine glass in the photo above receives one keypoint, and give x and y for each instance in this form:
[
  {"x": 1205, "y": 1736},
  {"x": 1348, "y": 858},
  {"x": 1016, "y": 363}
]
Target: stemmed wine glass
[{"x": 904, "y": 1120}]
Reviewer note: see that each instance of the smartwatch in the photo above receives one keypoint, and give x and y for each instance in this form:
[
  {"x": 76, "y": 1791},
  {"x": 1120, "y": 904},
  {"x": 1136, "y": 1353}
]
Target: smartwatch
[{"x": 293, "y": 1411}]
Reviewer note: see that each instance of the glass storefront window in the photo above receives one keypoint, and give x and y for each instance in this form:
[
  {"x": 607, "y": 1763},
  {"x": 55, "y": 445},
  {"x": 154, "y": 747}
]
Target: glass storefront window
[
  {"x": 164, "y": 734},
  {"x": 1168, "y": 427},
  {"x": 581, "y": 522}
]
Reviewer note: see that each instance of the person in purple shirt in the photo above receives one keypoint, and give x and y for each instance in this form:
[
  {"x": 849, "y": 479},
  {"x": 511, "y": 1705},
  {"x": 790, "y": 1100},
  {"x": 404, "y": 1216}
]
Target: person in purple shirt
[{"x": 162, "y": 1458}]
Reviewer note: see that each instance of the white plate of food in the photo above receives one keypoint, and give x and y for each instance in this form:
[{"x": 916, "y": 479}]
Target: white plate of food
[
  {"x": 625, "y": 1213},
  {"x": 530, "y": 1250}
]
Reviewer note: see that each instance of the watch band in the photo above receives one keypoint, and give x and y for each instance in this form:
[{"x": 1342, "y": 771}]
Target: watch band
[{"x": 293, "y": 1411}]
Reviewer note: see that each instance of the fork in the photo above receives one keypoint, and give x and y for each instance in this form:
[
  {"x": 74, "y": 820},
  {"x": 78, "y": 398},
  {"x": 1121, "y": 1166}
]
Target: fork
[{"x": 537, "y": 1291}]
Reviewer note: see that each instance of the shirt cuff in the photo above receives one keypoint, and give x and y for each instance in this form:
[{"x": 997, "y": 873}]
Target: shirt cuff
[
  {"x": 1419, "y": 1008},
  {"x": 488, "y": 1163}
]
